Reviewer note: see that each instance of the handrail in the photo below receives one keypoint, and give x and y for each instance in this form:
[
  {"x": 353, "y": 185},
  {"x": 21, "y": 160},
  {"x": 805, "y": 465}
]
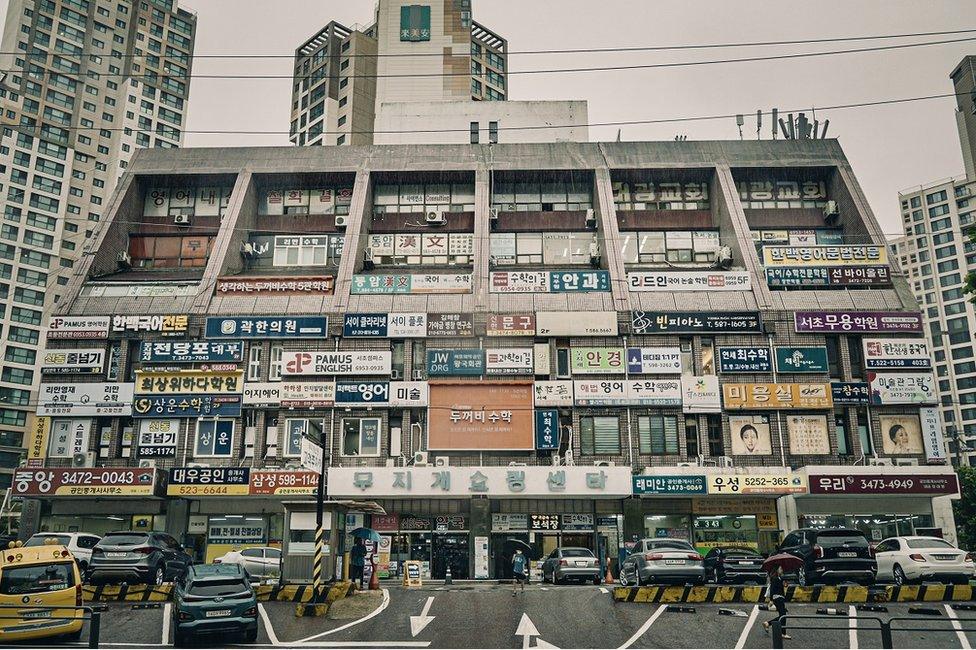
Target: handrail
[
  {"x": 94, "y": 617},
  {"x": 886, "y": 629}
]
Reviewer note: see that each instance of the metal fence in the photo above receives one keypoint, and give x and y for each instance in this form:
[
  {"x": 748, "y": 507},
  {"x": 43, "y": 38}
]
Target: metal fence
[
  {"x": 89, "y": 614},
  {"x": 887, "y": 628}
]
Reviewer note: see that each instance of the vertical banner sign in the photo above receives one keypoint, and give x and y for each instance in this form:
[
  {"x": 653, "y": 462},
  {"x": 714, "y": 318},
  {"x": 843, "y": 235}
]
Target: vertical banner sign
[
  {"x": 37, "y": 433},
  {"x": 932, "y": 438},
  {"x": 547, "y": 429}
]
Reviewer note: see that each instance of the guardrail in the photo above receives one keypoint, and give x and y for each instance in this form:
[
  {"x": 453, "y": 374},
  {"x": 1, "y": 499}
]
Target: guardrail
[
  {"x": 93, "y": 617},
  {"x": 884, "y": 626}
]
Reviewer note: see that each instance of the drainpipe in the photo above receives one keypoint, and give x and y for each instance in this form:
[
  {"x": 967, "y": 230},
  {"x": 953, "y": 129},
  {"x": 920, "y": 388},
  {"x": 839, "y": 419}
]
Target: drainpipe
[{"x": 779, "y": 423}]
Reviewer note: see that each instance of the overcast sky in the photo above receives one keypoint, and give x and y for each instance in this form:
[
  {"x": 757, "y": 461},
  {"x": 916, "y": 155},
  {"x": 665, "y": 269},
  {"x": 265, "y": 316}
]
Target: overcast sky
[{"x": 891, "y": 147}]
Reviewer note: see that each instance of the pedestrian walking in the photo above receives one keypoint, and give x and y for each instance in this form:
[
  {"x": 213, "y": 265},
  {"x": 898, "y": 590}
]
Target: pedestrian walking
[
  {"x": 520, "y": 567},
  {"x": 357, "y": 562},
  {"x": 777, "y": 594}
]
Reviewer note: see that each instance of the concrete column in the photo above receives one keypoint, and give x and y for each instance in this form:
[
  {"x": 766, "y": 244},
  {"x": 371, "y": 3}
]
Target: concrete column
[
  {"x": 482, "y": 233},
  {"x": 30, "y": 519},
  {"x": 943, "y": 517},
  {"x": 357, "y": 230},
  {"x": 479, "y": 524},
  {"x": 731, "y": 218},
  {"x": 608, "y": 235},
  {"x": 786, "y": 513},
  {"x": 177, "y": 517},
  {"x": 633, "y": 519}
]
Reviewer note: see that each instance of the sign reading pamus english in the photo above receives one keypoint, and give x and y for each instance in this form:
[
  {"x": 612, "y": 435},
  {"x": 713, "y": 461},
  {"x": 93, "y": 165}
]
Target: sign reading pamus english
[{"x": 336, "y": 363}]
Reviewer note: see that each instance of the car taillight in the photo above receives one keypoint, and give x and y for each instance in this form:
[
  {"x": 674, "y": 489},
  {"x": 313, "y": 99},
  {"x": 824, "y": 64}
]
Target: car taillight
[
  {"x": 817, "y": 551},
  {"x": 694, "y": 556},
  {"x": 185, "y": 616},
  {"x": 251, "y": 612},
  {"x": 78, "y": 595},
  {"x": 216, "y": 560},
  {"x": 918, "y": 557},
  {"x": 969, "y": 557},
  {"x": 145, "y": 550},
  {"x": 563, "y": 563},
  {"x": 653, "y": 556},
  {"x": 96, "y": 551}
]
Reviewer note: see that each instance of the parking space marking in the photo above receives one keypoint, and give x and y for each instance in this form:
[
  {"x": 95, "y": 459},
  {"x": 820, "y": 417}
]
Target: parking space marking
[
  {"x": 267, "y": 625},
  {"x": 852, "y": 629},
  {"x": 963, "y": 639},
  {"x": 375, "y": 612},
  {"x": 643, "y": 628},
  {"x": 741, "y": 643},
  {"x": 166, "y": 612},
  {"x": 367, "y": 644}
]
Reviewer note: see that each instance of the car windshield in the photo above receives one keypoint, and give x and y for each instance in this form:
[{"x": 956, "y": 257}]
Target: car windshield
[
  {"x": 37, "y": 578},
  {"x": 929, "y": 543},
  {"x": 839, "y": 538},
  {"x": 577, "y": 552},
  {"x": 214, "y": 588},
  {"x": 42, "y": 539},
  {"x": 670, "y": 543},
  {"x": 124, "y": 539}
]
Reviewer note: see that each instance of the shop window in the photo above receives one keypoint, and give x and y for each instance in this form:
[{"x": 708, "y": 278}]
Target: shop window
[
  {"x": 691, "y": 437},
  {"x": 170, "y": 252},
  {"x": 843, "y": 428},
  {"x": 573, "y": 194},
  {"x": 726, "y": 530},
  {"x": 833, "y": 357},
  {"x": 864, "y": 432},
  {"x": 299, "y": 428},
  {"x": 274, "y": 365},
  {"x": 599, "y": 436},
  {"x": 361, "y": 436},
  {"x": 687, "y": 357},
  {"x": 658, "y": 434},
  {"x": 254, "y": 362},
  {"x": 551, "y": 249},
  {"x": 668, "y": 526},
  {"x": 214, "y": 438},
  {"x": 562, "y": 363},
  {"x": 716, "y": 443}
]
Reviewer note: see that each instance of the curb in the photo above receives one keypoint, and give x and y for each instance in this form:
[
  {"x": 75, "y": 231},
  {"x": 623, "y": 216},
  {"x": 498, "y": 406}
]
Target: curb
[{"x": 818, "y": 594}]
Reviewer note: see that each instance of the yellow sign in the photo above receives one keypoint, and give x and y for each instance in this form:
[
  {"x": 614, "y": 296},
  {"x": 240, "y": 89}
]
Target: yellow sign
[
  {"x": 412, "y": 574},
  {"x": 825, "y": 255},
  {"x": 776, "y": 396},
  {"x": 783, "y": 483},
  {"x": 767, "y": 520},
  {"x": 189, "y": 382},
  {"x": 37, "y": 432},
  {"x": 732, "y": 506},
  {"x": 210, "y": 490}
]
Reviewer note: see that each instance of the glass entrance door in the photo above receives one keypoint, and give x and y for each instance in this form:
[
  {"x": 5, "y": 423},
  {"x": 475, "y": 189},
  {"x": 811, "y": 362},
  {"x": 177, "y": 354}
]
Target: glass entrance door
[{"x": 452, "y": 550}]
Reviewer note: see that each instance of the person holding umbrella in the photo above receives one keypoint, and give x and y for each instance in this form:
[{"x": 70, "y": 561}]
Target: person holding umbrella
[
  {"x": 775, "y": 566},
  {"x": 357, "y": 555}
]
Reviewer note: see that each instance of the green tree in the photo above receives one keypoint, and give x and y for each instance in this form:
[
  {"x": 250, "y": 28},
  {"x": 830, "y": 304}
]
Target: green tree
[{"x": 965, "y": 508}]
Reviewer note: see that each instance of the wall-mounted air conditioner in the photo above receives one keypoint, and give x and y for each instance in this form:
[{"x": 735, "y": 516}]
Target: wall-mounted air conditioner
[
  {"x": 83, "y": 459},
  {"x": 420, "y": 458},
  {"x": 341, "y": 220},
  {"x": 435, "y": 219},
  {"x": 147, "y": 463},
  {"x": 124, "y": 260},
  {"x": 442, "y": 461},
  {"x": 591, "y": 219},
  {"x": 181, "y": 220}
]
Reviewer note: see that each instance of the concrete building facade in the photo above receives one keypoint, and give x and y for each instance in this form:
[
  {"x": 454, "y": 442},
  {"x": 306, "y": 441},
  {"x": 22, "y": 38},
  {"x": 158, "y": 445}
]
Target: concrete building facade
[
  {"x": 86, "y": 83},
  {"x": 563, "y": 344},
  {"x": 964, "y": 84}
]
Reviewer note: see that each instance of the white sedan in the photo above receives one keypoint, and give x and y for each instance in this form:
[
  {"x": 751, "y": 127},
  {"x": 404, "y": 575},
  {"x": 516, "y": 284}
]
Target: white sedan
[
  {"x": 909, "y": 559},
  {"x": 259, "y": 561}
]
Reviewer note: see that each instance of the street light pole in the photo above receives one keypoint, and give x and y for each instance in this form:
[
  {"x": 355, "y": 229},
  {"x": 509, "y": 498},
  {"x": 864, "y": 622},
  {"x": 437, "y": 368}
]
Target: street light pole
[{"x": 319, "y": 532}]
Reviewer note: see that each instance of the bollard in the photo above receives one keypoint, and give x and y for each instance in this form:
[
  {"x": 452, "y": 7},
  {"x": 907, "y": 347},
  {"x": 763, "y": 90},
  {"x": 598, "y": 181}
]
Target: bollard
[
  {"x": 93, "y": 629},
  {"x": 777, "y": 628},
  {"x": 832, "y": 611},
  {"x": 886, "y": 635},
  {"x": 448, "y": 580}
]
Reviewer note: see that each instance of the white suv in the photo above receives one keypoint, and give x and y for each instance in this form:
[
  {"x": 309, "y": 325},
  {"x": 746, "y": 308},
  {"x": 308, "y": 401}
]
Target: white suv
[{"x": 79, "y": 544}]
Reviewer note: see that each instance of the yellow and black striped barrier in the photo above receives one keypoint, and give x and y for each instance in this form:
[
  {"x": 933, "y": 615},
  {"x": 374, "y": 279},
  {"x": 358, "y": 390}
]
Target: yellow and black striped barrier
[
  {"x": 161, "y": 593},
  {"x": 817, "y": 594}
]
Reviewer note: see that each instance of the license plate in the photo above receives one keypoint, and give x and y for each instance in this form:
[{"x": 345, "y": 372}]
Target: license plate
[
  {"x": 674, "y": 561},
  {"x": 218, "y": 612},
  {"x": 846, "y": 554},
  {"x": 44, "y": 613},
  {"x": 945, "y": 557},
  {"x": 745, "y": 562},
  {"x": 581, "y": 563},
  {"x": 116, "y": 554}
]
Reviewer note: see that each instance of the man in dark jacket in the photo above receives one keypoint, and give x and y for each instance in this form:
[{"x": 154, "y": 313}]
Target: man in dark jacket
[{"x": 357, "y": 562}]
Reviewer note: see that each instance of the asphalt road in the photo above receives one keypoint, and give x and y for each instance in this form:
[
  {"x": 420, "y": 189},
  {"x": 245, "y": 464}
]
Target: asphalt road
[{"x": 488, "y": 616}]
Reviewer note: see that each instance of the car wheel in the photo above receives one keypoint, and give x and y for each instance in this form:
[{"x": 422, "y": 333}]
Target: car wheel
[
  {"x": 251, "y": 636},
  {"x": 622, "y": 578},
  {"x": 74, "y": 636},
  {"x": 637, "y": 575},
  {"x": 158, "y": 576},
  {"x": 180, "y": 640},
  {"x": 597, "y": 581},
  {"x": 801, "y": 577},
  {"x": 899, "y": 576}
]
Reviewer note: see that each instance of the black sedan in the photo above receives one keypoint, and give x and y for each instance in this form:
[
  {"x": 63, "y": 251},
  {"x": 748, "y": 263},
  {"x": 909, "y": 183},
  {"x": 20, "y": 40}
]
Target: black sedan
[{"x": 735, "y": 564}]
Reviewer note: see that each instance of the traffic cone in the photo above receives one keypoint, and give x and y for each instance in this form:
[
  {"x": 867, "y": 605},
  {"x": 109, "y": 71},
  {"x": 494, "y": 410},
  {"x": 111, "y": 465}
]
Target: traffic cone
[
  {"x": 374, "y": 579},
  {"x": 608, "y": 580}
]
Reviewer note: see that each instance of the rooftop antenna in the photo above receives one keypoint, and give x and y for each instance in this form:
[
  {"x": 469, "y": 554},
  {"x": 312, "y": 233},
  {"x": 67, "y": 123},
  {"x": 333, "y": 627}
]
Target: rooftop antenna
[
  {"x": 759, "y": 124},
  {"x": 739, "y": 121},
  {"x": 823, "y": 131},
  {"x": 618, "y": 134},
  {"x": 775, "y": 121}
]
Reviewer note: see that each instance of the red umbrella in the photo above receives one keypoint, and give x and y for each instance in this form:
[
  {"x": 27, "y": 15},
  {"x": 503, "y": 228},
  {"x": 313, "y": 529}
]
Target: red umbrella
[{"x": 785, "y": 560}]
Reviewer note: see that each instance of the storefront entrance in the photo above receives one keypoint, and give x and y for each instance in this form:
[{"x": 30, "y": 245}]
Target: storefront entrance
[
  {"x": 450, "y": 550},
  {"x": 503, "y": 547}
]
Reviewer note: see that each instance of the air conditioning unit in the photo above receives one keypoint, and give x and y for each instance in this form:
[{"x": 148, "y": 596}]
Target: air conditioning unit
[
  {"x": 293, "y": 465},
  {"x": 687, "y": 464},
  {"x": 124, "y": 259},
  {"x": 368, "y": 264},
  {"x": 418, "y": 375},
  {"x": 83, "y": 459},
  {"x": 723, "y": 258},
  {"x": 906, "y": 462},
  {"x": 591, "y": 219},
  {"x": 725, "y": 461},
  {"x": 442, "y": 461},
  {"x": 830, "y": 214},
  {"x": 605, "y": 463},
  {"x": 182, "y": 220},
  {"x": 493, "y": 217},
  {"x": 341, "y": 220},
  {"x": 879, "y": 462},
  {"x": 595, "y": 254},
  {"x": 420, "y": 458},
  {"x": 147, "y": 463},
  {"x": 435, "y": 218},
  {"x": 395, "y": 374},
  {"x": 247, "y": 249},
  {"x": 198, "y": 465}
]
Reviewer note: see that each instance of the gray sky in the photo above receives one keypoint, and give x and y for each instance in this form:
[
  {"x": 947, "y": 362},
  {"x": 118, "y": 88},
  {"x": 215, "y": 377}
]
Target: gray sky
[{"x": 891, "y": 147}]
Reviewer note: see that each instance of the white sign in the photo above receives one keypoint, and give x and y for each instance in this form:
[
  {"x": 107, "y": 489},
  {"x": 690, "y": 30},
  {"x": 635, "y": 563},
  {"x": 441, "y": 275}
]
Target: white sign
[
  {"x": 932, "y": 436},
  {"x": 701, "y": 394},
  {"x": 480, "y": 558},
  {"x": 576, "y": 323},
  {"x": 502, "y": 522},
  {"x": 73, "y": 361},
  {"x": 495, "y": 481},
  {"x": 808, "y": 435},
  {"x": 554, "y": 393},
  {"x": 519, "y": 282},
  {"x": 883, "y": 354},
  {"x": 307, "y": 394},
  {"x": 85, "y": 399},
  {"x": 69, "y": 437},
  {"x": 405, "y": 326},
  {"x": 654, "y": 361},
  {"x": 619, "y": 392},
  {"x": 262, "y": 393},
  {"x": 78, "y": 327},
  {"x": 311, "y": 457},
  {"x": 508, "y": 361},
  {"x": 902, "y": 388},
  {"x": 409, "y": 394},
  {"x": 689, "y": 281},
  {"x": 158, "y": 437},
  {"x": 336, "y": 363}
]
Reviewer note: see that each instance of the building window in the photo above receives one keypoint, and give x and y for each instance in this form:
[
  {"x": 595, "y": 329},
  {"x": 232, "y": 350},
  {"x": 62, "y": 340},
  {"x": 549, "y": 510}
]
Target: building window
[
  {"x": 716, "y": 442},
  {"x": 254, "y": 362},
  {"x": 658, "y": 434},
  {"x": 474, "y": 133},
  {"x": 842, "y": 425},
  {"x": 493, "y": 132},
  {"x": 833, "y": 357},
  {"x": 864, "y": 432},
  {"x": 361, "y": 436},
  {"x": 599, "y": 436},
  {"x": 274, "y": 367},
  {"x": 562, "y": 363},
  {"x": 691, "y": 436},
  {"x": 855, "y": 351},
  {"x": 708, "y": 356},
  {"x": 214, "y": 438},
  {"x": 296, "y": 429}
]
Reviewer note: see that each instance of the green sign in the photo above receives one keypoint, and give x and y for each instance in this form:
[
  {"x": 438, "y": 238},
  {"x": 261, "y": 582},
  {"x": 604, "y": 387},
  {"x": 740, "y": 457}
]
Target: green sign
[
  {"x": 598, "y": 361},
  {"x": 414, "y": 23},
  {"x": 812, "y": 359}
]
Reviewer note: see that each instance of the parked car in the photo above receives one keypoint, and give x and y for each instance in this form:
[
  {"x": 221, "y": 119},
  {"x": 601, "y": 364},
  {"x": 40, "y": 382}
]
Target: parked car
[
  {"x": 736, "y": 564},
  {"x": 662, "y": 560},
  {"x": 831, "y": 555},
  {"x": 214, "y": 599},
  {"x": 80, "y": 545},
  {"x": 910, "y": 559},
  {"x": 259, "y": 562},
  {"x": 139, "y": 557},
  {"x": 571, "y": 563},
  {"x": 40, "y": 594}
]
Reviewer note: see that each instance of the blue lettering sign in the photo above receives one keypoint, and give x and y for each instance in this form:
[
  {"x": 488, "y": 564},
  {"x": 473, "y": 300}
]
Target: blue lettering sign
[
  {"x": 365, "y": 325},
  {"x": 669, "y": 484},
  {"x": 547, "y": 429},
  {"x": 186, "y": 406},
  {"x": 164, "y": 352},
  {"x": 744, "y": 359},
  {"x": 455, "y": 362}
]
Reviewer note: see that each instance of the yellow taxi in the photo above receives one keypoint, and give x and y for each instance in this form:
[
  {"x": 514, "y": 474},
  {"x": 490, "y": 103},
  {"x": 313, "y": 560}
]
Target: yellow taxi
[{"x": 40, "y": 593}]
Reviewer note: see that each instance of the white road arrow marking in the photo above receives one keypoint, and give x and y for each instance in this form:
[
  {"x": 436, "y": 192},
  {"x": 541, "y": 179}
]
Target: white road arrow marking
[
  {"x": 526, "y": 629},
  {"x": 418, "y": 623}
]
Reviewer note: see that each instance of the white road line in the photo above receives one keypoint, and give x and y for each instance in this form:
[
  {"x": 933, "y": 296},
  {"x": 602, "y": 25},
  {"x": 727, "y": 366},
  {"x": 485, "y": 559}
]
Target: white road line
[
  {"x": 852, "y": 628},
  {"x": 604, "y": 590},
  {"x": 963, "y": 639},
  {"x": 741, "y": 643},
  {"x": 267, "y": 625},
  {"x": 363, "y": 644},
  {"x": 643, "y": 628},
  {"x": 375, "y": 612},
  {"x": 167, "y": 609}
]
